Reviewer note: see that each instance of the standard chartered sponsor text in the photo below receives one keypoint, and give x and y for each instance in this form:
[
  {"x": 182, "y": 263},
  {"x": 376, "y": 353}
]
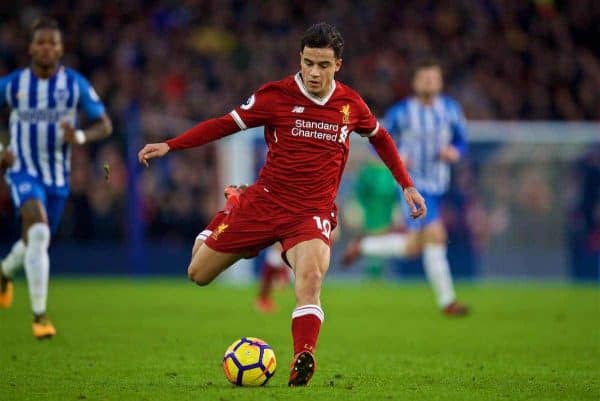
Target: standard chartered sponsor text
[{"x": 316, "y": 129}]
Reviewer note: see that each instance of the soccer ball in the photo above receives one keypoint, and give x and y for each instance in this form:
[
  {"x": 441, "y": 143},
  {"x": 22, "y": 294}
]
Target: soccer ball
[{"x": 249, "y": 361}]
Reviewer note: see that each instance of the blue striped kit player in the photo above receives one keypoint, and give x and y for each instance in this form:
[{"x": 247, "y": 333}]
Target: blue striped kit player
[
  {"x": 430, "y": 130},
  {"x": 44, "y": 100}
]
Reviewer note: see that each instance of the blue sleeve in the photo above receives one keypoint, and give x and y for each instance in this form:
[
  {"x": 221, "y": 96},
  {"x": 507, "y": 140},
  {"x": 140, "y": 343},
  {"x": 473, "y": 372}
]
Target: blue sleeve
[
  {"x": 459, "y": 127},
  {"x": 88, "y": 99}
]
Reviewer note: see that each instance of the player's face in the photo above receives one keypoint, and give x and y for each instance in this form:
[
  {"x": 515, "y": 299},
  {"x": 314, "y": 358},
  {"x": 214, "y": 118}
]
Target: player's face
[
  {"x": 318, "y": 66},
  {"x": 46, "y": 47},
  {"x": 428, "y": 81}
]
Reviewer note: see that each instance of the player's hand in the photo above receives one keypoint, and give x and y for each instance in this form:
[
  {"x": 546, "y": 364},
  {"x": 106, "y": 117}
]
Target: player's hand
[
  {"x": 151, "y": 151},
  {"x": 449, "y": 154},
  {"x": 68, "y": 132},
  {"x": 7, "y": 158},
  {"x": 415, "y": 201}
]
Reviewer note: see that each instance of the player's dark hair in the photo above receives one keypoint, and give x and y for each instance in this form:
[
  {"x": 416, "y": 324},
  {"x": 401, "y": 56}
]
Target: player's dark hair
[
  {"x": 323, "y": 35},
  {"x": 426, "y": 63},
  {"x": 44, "y": 23}
]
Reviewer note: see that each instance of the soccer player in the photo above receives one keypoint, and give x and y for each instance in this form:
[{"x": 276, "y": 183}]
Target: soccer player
[
  {"x": 376, "y": 193},
  {"x": 432, "y": 135},
  {"x": 308, "y": 118},
  {"x": 44, "y": 99}
]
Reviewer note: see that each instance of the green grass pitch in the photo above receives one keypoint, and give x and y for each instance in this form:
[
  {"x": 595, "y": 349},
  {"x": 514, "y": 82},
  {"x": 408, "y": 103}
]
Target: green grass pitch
[{"x": 122, "y": 339}]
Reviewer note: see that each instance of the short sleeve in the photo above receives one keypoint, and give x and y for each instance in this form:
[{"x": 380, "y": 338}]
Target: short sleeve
[
  {"x": 89, "y": 100},
  {"x": 257, "y": 110}
]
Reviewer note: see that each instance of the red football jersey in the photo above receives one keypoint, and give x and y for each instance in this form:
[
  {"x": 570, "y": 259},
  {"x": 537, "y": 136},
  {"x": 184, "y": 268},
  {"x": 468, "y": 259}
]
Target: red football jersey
[{"x": 308, "y": 140}]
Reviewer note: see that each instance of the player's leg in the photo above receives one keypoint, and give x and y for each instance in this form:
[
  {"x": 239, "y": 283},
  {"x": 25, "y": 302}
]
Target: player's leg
[
  {"x": 38, "y": 273},
  {"x": 29, "y": 197},
  {"x": 395, "y": 244},
  {"x": 310, "y": 262},
  {"x": 207, "y": 263},
  {"x": 36, "y": 234},
  {"x": 13, "y": 262},
  {"x": 271, "y": 268},
  {"x": 437, "y": 268},
  {"x": 399, "y": 245},
  {"x": 9, "y": 266}
]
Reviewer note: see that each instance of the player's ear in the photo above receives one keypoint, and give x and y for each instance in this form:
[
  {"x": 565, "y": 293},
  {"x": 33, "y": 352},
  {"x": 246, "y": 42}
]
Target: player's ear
[
  {"x": 59, "y": 41},
  {"x": 414, "y": 82},
  {"x": 338, "y": 64}
]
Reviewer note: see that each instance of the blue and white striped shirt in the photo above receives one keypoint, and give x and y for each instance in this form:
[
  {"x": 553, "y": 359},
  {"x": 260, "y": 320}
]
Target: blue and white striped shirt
[
  {"x": 37, "y": 108},
  {"x": 421, "y": 131}
]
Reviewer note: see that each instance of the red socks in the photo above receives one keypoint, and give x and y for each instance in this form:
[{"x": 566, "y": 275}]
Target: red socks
[{"x": 306, "y": 323}]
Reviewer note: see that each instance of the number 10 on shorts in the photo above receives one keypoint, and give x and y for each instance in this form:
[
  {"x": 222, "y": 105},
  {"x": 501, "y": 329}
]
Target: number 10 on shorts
[{"x": 323, "y": 225}]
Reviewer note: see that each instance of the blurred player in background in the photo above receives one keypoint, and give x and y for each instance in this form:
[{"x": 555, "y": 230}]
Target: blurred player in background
[
  {"x": 376, "y": 193},
  {"x": 308, "y": 118},
  {"x": 273, "y": 271},
  {"x": 44, "y": 99},
  {"x": 431, "y": 132}
]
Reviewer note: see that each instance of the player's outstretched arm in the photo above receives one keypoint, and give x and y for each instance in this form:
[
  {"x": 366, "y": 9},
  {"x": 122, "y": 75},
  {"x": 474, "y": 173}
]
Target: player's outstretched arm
[
  {"x": 100, "y": 129},
  {"x": 200, "y": 134},
  {"x": 152, "y": 151}
]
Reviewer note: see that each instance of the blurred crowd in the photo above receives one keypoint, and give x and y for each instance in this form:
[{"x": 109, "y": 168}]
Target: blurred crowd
[
  {"x": 181, "y": 62},
  {"x": 195, "y": 59}
]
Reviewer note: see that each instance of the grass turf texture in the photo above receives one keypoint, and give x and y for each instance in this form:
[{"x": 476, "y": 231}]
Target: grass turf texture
[{"x": 164, "y": 340}]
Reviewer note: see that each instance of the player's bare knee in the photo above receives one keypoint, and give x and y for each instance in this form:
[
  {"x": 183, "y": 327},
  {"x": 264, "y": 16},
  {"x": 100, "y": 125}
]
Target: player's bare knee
[
  {"x": 196, "y": 275},
  {"x": 199, "y": 279},
  {"x": 312, "y": 277},
  {"x": 435, "y": 233},
  {"x": 413, "y": 250}
]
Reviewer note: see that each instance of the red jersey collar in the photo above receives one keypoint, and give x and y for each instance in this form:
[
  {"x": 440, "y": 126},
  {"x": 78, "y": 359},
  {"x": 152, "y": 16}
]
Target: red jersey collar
[{"x": 318, "y": 100}]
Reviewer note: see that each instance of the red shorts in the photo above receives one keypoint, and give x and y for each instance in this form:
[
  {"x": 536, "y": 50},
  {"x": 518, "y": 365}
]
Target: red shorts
[{"x": 257, "y": 222}]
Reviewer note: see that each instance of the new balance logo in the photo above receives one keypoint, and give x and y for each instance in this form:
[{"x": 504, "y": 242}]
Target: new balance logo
[{"x": 298, "y": 109}]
